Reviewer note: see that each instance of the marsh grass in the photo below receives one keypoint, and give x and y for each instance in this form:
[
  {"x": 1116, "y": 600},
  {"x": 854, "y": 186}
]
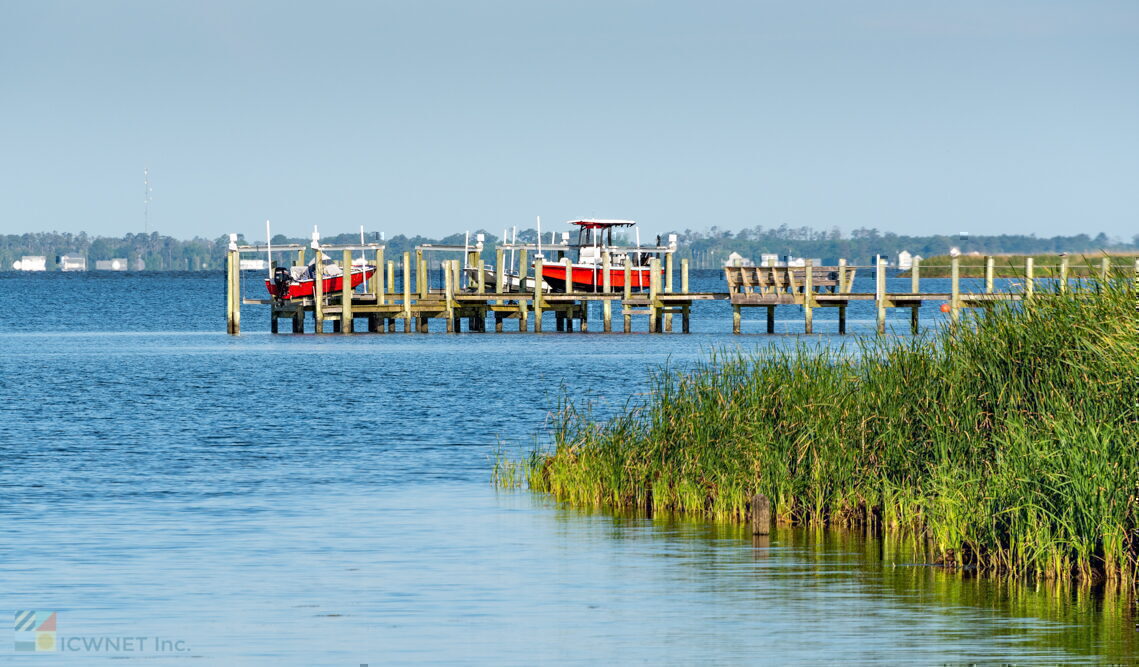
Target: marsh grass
[{"x": 1010, "y": 441}]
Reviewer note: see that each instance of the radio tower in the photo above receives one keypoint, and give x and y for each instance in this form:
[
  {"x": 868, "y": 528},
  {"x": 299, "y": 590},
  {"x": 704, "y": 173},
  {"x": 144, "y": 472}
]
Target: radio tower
[{"x": 146, "y": 200}]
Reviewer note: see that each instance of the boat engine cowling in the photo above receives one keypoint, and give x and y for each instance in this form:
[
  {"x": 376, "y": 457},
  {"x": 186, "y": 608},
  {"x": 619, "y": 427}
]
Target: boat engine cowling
[{"x": 281, "y": 281}]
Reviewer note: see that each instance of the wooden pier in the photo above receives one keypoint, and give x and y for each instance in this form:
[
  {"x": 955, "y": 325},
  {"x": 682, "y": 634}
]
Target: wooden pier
[{"x": 386, "y": 305}]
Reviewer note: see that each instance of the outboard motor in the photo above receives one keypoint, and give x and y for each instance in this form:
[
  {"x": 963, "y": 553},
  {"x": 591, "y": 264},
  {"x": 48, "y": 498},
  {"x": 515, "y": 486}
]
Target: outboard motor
[{"x": 281, "y": 281}]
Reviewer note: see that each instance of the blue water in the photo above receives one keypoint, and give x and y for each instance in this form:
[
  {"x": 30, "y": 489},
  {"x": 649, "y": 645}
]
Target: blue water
[{"x": 326, "y": 500}]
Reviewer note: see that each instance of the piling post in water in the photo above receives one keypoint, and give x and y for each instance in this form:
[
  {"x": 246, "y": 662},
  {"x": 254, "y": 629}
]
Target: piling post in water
[
  {"x": 808, "y": 289},
  {"x": 379, "y": 285},
  {"x": 318, "y": 292},
  {"x": 538, "y": 295},
  {"x": 391, "y": 276},
  {"x": 449, "y": 298},
  {"x": 377, "y": 278},
  {"x": 668, "y": 288},
  {"x": 407, "y": 292},
  {"x": 567, "y": 265},
  {"x": 274, "y": 325},
  {"x": 1029, "y": 280},
  {"x": 760, "y": 514},
  {"x": 685, "y": 319},
  {"x": 523, "y": 311},
  {"x": 499, "y": 274},
  {"x": 654, "y": 290},
  {"x": 606, "y": 287},
  {"x": 499, "y": 281},
  {"x": 954, "y": 289},
  {"x": 273, "y": 312},
  {"x": 1063, "y": 273},
  {"x": 346, "y": 293},
  {"x": 565, "y": 317},
  {"x": 915, "y": 288},
  {"x": 419, "y": 277},
  {"x": 989, "y": 274},
  {"x": 843, "y": 288},
  {"x": 472, "y": 261},
  {"x": 628, "y": 294},
  {"x": 233, "y": 290},
  {"x": 476, "y": 321},
  {"x": 880, "y": 295},
  {"x": 1104, "y": 268}
]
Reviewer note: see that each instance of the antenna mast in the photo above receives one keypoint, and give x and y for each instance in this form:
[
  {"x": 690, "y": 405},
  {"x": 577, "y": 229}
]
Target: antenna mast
[{"x": 146, "y": 200}]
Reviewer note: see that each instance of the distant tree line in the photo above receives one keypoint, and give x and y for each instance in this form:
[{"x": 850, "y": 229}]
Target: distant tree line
[
  {"x": 158, "y": 253},
  {"x": 707, "y": 249}
]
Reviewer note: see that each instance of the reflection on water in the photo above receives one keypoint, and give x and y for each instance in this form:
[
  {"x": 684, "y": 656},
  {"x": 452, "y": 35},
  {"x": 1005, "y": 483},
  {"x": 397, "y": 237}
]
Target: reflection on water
[{"x": 326, "y": 500}]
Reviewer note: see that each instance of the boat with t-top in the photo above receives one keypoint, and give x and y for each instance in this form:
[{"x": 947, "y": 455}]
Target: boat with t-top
[{"x": 586, "y": 271}]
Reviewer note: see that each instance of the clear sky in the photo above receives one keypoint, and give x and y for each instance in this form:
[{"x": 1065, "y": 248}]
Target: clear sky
[{"x": 435, "y": 117}]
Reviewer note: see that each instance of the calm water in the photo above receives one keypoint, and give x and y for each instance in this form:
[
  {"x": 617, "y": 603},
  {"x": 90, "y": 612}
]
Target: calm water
[{"x": 326, "y": 500}]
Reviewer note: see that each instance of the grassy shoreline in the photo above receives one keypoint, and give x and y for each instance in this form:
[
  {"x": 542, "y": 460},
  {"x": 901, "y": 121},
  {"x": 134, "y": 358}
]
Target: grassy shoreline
[{"x": 1011, "y": 443}]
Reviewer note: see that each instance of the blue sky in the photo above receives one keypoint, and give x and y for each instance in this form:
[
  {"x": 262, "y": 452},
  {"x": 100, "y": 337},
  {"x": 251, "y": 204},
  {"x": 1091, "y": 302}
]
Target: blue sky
[{"x": 435, "y": 117}]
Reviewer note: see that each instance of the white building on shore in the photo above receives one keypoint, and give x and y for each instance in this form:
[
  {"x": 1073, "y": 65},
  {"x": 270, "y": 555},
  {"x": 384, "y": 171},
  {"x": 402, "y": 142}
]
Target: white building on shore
[
  {"x": 736, "y": 259},
  {"x": 30, "y": 263},
  {"x": 111, "y": 264},
  {"x": 73, "y": 263}
]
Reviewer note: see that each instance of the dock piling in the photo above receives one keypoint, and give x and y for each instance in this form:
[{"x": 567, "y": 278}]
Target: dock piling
[
  {"x": 407, "y": 292},
  {"x": 538, "y": 295},
  {"x": 628, "y": 294},
  {"x": 954, "y": 289},
  {"x": 843, "y": 288},
  {"x": 346, "y": 324},
  {"x": 880, "y": 295},
  {"x": 808, "y": 296},
  {"x": 233, "y": 292},
  {"x": 606, "y": 287},
  {"x": 760, "y": 514},
  {"x": 318, "y": 293},
  {"x": 654, "y": 296},
  {"x": 915, "y": 288},
  {"x": 453, "y": 323},
  {"x": 685, "y": 315},
  {"x": 380, "y": 285}
]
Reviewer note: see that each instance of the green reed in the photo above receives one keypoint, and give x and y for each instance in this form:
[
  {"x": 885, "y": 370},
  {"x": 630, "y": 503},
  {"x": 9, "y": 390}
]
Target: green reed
[{"x": 1011, "y": 441}]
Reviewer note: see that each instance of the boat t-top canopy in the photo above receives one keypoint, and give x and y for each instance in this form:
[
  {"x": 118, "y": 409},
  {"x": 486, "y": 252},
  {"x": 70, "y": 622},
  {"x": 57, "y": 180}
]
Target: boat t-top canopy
[{"x": 602, "y": 224}]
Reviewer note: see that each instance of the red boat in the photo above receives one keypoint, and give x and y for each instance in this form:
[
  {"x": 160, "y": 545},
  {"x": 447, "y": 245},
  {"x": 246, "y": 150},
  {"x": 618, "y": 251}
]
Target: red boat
[
  {"x": 587, "y": 274},
  {"x": 586, "y": 277},
  {"x": 299, "y": 282}
]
